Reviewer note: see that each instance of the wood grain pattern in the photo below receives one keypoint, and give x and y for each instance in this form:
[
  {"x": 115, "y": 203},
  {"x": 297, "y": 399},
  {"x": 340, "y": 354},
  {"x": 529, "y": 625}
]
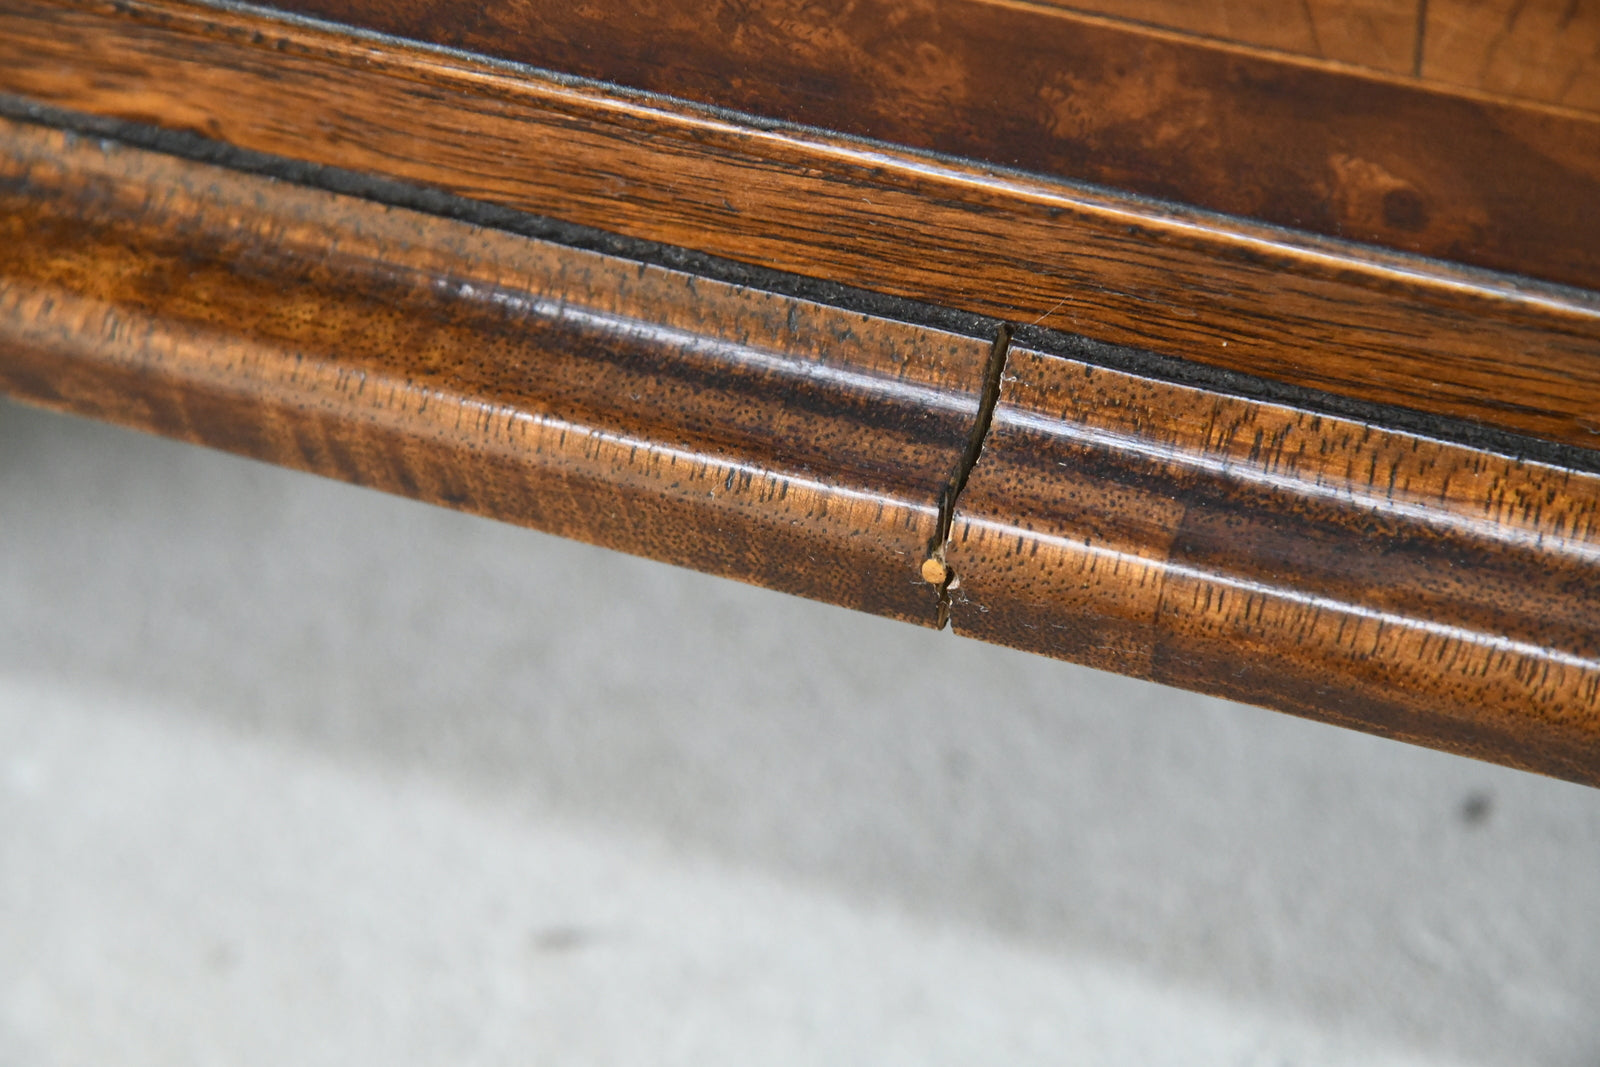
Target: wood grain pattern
[
  {"x": 1501, "y": 353},
  {"x": 1370, "y": 33},
  {"x": 1429, "y": 591},
  {"x": 1318, "y": 565},
  {"x": 740, "y": 432},
  {"x": 1276, "y": 138},
  {"x": 1540, "y": 49}
]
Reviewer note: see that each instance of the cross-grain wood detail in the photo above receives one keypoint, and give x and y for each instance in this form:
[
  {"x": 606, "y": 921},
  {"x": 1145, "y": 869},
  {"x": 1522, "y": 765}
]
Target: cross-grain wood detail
[
  {"x": 1379, "y": 34},
  {"x": 1547, "y": 50}
]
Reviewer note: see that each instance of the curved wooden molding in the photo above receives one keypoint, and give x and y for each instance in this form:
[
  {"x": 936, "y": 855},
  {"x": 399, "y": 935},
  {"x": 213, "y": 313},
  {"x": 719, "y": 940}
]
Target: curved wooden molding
[
  {"x": 1420, "y": 588},
  {"x": 741, "y": 432},
  {"x": 1372, "y": 578},
  {"x": 1495, "y": 352}
]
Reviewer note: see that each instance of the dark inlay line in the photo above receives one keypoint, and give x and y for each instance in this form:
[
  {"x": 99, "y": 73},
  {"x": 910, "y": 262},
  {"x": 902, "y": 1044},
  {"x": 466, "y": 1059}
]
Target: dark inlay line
[{"x": 1416, "y": 45}]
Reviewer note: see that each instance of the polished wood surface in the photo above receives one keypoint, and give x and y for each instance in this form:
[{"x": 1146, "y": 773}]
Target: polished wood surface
[
  {"x": 1380, "y": 34},
  {"x": 1045, "y": 490},
  {"x": 1326, "y": 148},
  {"x": 1494, "y": 352},
  {"x": 735, "y": 430},
  {"x": 1534, "y": 50},
  {"x": 1323, "y": 566},
  {"x": 1539, "y": 49},
  {"x": 1344, "y": 481}
]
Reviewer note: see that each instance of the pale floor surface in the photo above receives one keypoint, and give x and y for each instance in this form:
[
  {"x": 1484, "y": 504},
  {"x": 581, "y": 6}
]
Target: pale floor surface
[{"x": 293, "y": 772}]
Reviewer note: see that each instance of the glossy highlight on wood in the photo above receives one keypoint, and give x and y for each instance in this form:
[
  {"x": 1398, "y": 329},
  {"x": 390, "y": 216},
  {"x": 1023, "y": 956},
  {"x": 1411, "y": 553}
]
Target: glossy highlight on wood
[
  {"x": 1319, "y": 565},
  {"x": 741, "y": 432},
  {"x": 1497, "y": 352},
  {"x": 1345, "y": 483},
  {"x": 1335, "y": 150}
]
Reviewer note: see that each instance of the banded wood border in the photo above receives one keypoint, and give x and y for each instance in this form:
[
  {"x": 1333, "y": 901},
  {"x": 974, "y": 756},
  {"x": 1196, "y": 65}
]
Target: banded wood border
[
  {"x": 1494, "y": 352},
  {"x": 1425, "y": 168}
]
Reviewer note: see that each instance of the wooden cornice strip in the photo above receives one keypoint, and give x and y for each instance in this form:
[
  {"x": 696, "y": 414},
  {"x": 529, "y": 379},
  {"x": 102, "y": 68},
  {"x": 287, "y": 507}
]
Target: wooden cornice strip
[
  {"x": 1500, "y": 353},
  {"x": 737, "y": 431},
  {"x": 1293, "y": 141},
  {"x": 1373, "y": 577},
  {"x": 1410, "y": 587}
]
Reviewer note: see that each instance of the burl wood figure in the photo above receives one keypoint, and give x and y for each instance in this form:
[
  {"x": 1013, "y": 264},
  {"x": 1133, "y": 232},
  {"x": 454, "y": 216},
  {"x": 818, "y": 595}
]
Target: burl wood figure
[{"x": 1261, "y": 361}]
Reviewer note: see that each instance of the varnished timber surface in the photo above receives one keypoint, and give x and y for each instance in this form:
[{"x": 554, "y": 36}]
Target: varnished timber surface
[
  {"x": 1294, "y": 142},
  {"x": 741, "y": 432},
  {"x": 1318, "y": 565},
  {"x": 1494, "y": 352},
  {"x": 1370, "y": 33},
  {"x": 1541, "y": 49},
  {"x": 1424, "y": 589}
]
